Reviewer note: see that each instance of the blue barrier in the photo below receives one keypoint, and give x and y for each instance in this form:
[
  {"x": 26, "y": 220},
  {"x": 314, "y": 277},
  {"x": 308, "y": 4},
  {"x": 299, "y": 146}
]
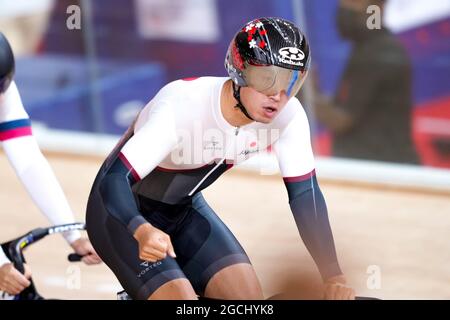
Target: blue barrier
[{"x": 56, "y": 90}]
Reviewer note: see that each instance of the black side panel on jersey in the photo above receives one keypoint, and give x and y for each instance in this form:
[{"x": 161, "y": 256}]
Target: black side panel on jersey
[{"x": 173, "y": 187}]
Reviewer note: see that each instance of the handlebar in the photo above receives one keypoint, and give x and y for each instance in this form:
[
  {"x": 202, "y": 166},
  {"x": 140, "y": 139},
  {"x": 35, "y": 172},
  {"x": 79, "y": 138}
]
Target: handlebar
[
  {"x": 17, "y": 245},
  {"x": 74, "y": 257}
]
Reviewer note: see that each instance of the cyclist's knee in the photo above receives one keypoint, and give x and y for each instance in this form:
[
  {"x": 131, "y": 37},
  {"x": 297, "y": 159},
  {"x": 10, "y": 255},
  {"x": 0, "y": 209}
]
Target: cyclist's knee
[{"x": 178, "y": 289}]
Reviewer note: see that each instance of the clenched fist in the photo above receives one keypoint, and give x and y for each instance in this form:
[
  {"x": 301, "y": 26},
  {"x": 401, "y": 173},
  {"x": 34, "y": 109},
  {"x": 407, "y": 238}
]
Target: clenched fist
[{"x": 154, "y": 244}]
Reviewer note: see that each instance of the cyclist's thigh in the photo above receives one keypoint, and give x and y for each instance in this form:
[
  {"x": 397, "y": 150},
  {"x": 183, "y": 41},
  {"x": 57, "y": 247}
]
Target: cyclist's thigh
[
  {"x": 205, "y": 246},
  {"x": 119, "y": 250},
  {"x": 238, "y": 281}
]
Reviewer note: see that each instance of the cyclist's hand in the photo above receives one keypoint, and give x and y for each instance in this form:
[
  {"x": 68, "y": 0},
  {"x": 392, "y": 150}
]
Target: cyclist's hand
[
  {"x": 336, "y": 289},
  {"x": 154, "y": 244},
  {"x": 12, "y": 281},
  {"x": 84, "y": 248}
]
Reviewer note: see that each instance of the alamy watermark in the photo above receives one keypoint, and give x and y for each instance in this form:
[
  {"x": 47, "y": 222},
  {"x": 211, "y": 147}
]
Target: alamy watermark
[
  {"x": 373, "y": 22},
  {"x": 374, "y": 278},
  {"x": 73, "y": 21},
  {"x": 73, "y": 280},
  {"x": 198, "y": 146}
]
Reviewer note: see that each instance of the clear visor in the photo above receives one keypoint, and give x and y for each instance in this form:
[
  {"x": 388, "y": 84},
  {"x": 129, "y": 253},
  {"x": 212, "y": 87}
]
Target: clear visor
[{"x": 270, "y": 80}]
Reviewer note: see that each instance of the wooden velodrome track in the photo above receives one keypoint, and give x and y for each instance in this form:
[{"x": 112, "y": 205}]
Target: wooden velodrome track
[{"x": 403, "y": 233}]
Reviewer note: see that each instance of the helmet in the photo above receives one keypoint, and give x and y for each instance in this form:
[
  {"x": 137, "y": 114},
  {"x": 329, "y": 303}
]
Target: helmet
[
  {"x": 269, "y": 55},
  {"x": 6, "y": 64}
]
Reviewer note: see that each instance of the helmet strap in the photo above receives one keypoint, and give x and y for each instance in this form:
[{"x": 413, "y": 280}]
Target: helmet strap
[{"x": 239, "y": 105}]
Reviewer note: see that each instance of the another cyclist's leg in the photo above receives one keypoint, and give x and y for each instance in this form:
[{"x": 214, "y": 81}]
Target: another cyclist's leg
[
  {"x": 214, "y": 261},
  {"x": 119, "y": 250}
]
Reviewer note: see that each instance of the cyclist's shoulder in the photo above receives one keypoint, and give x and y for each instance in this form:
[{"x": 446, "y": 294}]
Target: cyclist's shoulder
[
  {"x": 293, "y": 121},
  {"x": 292, "y": 112},
  {"x": 185, "y": 86},
  {"x": 295, "y": 104},
  {"x": 182, "y": 101},
  {"x": 187, "y": 97}
]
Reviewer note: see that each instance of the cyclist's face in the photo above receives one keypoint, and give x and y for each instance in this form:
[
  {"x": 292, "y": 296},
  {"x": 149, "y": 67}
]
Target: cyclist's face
[{"x": 263, "y": 107}]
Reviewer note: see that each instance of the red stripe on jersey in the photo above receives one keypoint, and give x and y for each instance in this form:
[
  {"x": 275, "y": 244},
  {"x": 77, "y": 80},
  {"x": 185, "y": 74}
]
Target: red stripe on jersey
[
  {"x": 300, "y": 178},
  {"x": 15, "y": 133},
  {"x": 190, "y": 79},
  {"x": 129, "y": 166}
]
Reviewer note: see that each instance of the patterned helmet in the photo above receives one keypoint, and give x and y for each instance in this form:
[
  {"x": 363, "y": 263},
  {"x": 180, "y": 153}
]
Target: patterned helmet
[{"x": 269, "y": 55}]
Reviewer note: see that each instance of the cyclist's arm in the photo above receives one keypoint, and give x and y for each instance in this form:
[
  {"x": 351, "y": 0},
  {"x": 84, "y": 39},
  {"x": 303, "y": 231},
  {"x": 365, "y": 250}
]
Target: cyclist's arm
[
  {"x": 149, "y": 145},
  {"x": 307, "y": 203},
  {"x": 29, "y": 163}
]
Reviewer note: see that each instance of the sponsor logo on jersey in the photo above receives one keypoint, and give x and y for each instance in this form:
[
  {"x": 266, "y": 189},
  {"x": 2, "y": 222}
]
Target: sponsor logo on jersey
[{"x": 213, "y": 144}]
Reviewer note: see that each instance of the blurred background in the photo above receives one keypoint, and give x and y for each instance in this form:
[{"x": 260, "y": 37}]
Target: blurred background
[
  {"x": 96, "y": 77},
  {"x": 378, "y": 105}
]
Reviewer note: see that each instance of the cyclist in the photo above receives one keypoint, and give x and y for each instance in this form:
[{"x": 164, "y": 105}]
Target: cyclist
[
  {"x": 146, "y": 215},
  {"x": 33, "y": 171}
]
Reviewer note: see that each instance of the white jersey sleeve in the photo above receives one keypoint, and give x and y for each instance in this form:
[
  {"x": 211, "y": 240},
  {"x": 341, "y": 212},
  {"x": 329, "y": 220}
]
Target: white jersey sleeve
[
  {"x": 293, "y": 149},
  {"x": 154, "y": 138},
  {"x": 31, "y": 167}
]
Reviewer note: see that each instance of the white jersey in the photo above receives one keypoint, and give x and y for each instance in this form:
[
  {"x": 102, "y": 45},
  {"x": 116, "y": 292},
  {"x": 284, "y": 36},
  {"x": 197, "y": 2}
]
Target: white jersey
[
  {"x": 182, "y": 129},
  {"x": 29, "y": 164}
]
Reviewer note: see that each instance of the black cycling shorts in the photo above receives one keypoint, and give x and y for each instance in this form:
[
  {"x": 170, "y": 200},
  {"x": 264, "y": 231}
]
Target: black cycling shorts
[{"x": 202, "y": 243}]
